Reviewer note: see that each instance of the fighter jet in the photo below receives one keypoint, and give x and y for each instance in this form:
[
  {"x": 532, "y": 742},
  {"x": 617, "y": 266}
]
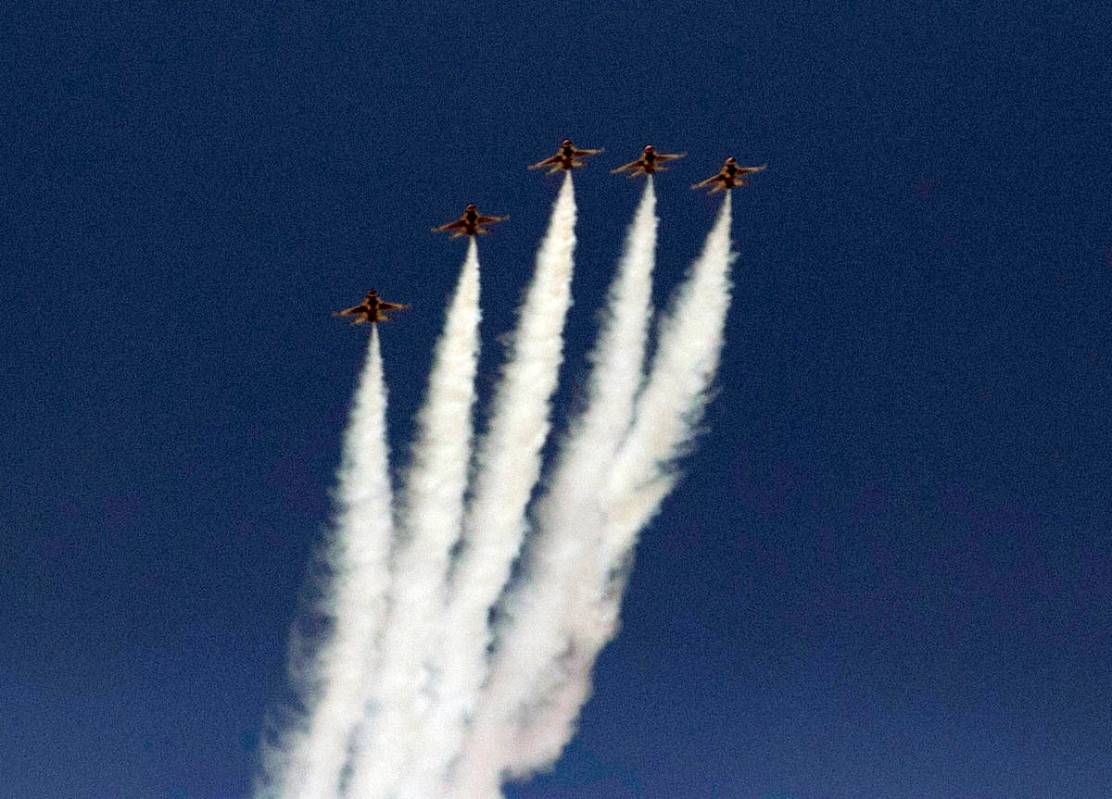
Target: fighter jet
[
  {"x": 470, "y": 223},
  {"x": 567, "y": 158},
  {"x": 371, "y": 310},
  {"x": 649, "y": 163},
  {"x": 729, "y": 177}
]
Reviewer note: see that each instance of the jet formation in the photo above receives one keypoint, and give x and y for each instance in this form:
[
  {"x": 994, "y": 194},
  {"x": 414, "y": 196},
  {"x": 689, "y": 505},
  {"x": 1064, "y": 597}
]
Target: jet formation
[{"x": 566, "y": 158}]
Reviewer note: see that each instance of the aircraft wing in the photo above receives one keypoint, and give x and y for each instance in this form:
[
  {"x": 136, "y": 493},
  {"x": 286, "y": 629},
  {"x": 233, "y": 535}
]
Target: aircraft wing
[
  {"x": 669, "y": 156},
  {"x": 749, "y": 170},
  {"x": 454, "y": 225},
  {"x": 702, "y": 184},
  {"x": 392, "y": 306},
  {"x": 488, "y": 220},
  {"x": 552, "y": 159},
  {"x": 584, "y": 153},
  {"x": 352, "y": 311},
  {"x": 631, "y": 166}
]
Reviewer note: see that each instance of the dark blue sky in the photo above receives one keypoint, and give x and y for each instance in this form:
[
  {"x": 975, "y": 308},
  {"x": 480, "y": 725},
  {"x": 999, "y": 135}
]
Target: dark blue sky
[{"x": 889, "y": 572}]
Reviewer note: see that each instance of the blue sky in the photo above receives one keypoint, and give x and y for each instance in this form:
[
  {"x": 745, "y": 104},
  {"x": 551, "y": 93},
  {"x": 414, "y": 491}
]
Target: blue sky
[{"x": 888, "y": 571}]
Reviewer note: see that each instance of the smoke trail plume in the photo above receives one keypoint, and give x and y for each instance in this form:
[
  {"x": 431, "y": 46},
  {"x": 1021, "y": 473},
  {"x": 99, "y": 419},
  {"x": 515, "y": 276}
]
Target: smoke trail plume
[
  {"x": 666, "y": 421},
  {"x": 430, "y": 519},
  {"x": 671, "y": 407},
  {"x": 508, "y": 466},
  {"x": 308, "y": 762},
  {"x": 535, "y": 632}
]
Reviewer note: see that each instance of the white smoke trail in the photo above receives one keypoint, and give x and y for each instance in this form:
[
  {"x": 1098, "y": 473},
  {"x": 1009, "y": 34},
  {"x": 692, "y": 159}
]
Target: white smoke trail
[
  {"x": 508, "y": 466},
  {"x": 308, "y": 763},
  {"x": 667, "y": 416},
  {"x": 431, "y": 515},
  {"x": 671, "y": 407},
  {"x": 550, "y": 595}
]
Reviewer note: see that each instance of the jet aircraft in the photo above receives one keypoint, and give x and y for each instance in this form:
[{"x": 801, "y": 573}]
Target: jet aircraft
[
  {"x": 470, "y": 223},
  {"x": 371, "y": 310},
  {"x": 730, "y": 176},
  {"x": 649, "y": 163},
  {"x": 566, "y": 158}
]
